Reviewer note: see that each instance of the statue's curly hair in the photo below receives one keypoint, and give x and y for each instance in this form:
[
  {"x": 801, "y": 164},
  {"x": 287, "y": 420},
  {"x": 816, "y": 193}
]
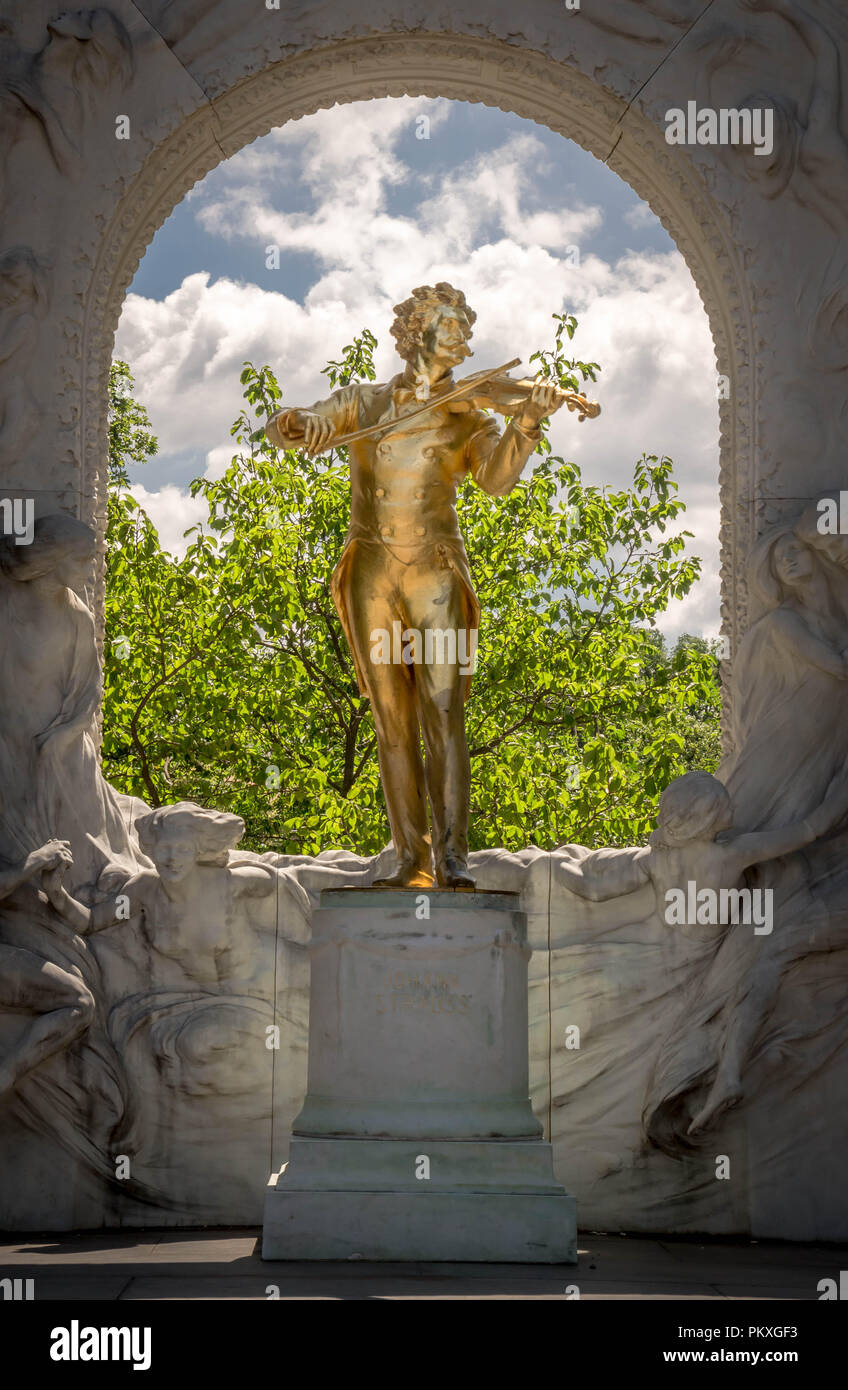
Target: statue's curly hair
[
  {"x": 215, "y": 833},
  {"x": 411, "y": 316},
  {"x": 55, "y": 537},
  {"x": 688, "y": 807}
]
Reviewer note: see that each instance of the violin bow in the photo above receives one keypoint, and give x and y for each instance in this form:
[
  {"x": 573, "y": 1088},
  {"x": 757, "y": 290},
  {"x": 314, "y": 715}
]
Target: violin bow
[
  {"x": 465, "y": 385},
  {"x": 572, "y": 399}
]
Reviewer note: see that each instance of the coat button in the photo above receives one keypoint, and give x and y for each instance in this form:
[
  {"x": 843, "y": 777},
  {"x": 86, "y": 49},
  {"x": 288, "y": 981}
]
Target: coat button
[
  {"x": 381, "y": 492},
  {"x": 384, "y": 449},
  {"x": 420, "y": 494},
  {"x": 421, "y": 530},
  {"x": 429, "y": 452},
  {"x": 385, "y": 530}
]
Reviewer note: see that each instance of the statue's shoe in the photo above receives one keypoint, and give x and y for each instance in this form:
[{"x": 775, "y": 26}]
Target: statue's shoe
[
  {"x": 406, "y": 876},
  {"x": 454, "y": 874}
]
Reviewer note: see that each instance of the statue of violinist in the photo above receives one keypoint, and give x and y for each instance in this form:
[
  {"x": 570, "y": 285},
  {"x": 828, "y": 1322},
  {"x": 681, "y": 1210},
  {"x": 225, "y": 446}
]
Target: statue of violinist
[{"x": 403, "y": 573}]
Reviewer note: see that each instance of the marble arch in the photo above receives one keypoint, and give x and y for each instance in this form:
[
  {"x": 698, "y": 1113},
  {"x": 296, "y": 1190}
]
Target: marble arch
[
  {"x": 199, "y": 80},
  {"x": 465, "y": 68},
  {"x": 112, "y": 112}
]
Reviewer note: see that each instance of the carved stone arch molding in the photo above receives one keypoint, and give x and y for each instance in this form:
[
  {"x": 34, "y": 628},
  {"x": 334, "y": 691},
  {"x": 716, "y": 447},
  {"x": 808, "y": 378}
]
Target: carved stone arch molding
[
  {"x": 197, "y": 80},
  {"x": 469, "y": 69}
]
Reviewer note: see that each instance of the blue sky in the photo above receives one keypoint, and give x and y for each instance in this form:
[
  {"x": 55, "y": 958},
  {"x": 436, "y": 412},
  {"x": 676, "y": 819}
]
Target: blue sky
[
  {"x": 362, "y": 209},
  {"x": 470, "y": 131}
]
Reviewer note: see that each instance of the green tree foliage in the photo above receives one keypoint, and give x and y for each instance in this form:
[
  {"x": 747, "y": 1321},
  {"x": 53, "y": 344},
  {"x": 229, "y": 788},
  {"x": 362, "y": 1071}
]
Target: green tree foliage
[
  {"x": 131, "y": 439},
  {"x": 228, "y": 680}
]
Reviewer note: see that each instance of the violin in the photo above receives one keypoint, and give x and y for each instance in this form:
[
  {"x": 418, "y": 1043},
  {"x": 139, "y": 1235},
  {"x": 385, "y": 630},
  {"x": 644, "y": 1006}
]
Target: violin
[
  {"x": 493, "y": 389},
  {"x": 506, "y": 394}
]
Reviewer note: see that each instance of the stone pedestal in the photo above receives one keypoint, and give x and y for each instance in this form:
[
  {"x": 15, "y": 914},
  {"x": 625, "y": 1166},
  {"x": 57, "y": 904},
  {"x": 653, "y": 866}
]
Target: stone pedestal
[{"x": 417, "y": 1140}]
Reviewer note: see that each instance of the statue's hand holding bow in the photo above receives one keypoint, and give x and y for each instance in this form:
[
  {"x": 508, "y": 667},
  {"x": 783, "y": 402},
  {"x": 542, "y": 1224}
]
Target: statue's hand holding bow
[{"x": 317, "y": 430}]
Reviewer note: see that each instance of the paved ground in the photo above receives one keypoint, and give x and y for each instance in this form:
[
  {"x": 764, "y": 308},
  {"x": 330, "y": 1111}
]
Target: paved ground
[{"x": 178, "y": 1265}]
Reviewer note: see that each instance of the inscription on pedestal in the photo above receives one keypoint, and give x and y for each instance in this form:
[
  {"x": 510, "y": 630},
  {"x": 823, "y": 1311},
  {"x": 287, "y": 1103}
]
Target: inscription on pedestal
[{"x": 427, "y": 994}]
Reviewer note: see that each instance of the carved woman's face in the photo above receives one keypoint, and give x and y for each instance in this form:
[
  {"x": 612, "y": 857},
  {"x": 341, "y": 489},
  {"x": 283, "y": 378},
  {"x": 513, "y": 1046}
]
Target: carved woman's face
[
  {"x": 792, "y": 561},
  {"x": 73, "y": 570},
  {"x": 174, "y": 854}
]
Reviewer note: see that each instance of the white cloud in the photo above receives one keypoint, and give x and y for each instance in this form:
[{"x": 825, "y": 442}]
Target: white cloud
[
  {"x": 478, "y": 227},
  {"x": 172, "y": 512},
  {"x": 495, "y": 190},
  {"x": 640, "y": 215}
]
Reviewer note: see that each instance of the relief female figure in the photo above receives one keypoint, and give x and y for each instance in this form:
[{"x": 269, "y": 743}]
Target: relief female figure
[
  {"x": 193, "y": 965},
  {"x": 790, "y": 685},
  {"x": 50, "y": 687},
  {"x": 791, "y": 680},
  {"x": 207, "y": 965}
]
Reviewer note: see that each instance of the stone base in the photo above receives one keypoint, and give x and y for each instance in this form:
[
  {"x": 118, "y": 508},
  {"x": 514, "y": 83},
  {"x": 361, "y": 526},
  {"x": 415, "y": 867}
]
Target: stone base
[
  {"x": 417, "y": 1140},
  {"x": 487, "y": 1201}
]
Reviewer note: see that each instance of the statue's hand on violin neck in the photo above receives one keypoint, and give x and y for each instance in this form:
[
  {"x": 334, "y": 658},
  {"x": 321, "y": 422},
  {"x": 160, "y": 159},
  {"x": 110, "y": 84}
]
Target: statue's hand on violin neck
[{"x": 544, "y": 399}]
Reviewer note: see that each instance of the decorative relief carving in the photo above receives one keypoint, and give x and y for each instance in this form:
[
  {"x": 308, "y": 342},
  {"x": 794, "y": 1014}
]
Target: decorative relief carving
[
  {"x": 657, "y": 23},
  {"x": 810, "y": 149},
  {"x": 179, "y": 989},
  {"x": 23, "y": 304},
  {"x": 51, "y": 87}
]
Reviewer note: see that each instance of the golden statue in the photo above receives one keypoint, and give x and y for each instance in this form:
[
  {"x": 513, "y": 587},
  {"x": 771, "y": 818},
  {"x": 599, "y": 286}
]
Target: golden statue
[{"x": 403, "y": 587}]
